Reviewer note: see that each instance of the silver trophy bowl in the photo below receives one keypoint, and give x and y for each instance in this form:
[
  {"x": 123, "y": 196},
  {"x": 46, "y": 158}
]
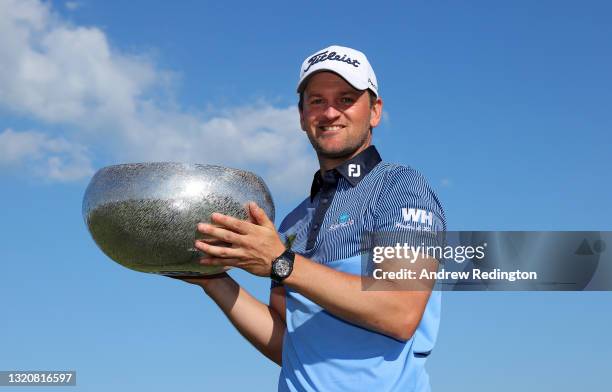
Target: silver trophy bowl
[{"x": 144, "y": 215}]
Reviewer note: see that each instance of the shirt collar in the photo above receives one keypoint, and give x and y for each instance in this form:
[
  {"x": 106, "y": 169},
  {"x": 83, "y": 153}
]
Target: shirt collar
[{"x": 352, "y": 170}]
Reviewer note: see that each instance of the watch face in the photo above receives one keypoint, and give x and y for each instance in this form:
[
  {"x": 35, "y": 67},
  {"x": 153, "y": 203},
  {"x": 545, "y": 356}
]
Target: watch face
[{"x": 281, "y": 267}]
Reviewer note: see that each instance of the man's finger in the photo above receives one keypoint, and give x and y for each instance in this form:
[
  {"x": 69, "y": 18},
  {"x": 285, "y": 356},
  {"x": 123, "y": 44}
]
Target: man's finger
[
  {"x": 222, "y": 252},
  {"x": 220, "y": 234},
  {"x": 260, "y": 216},
  {"x": 214, "y": 241},
  {"x": 216, "y": 261},
  {"x": 229, "y": 222}
]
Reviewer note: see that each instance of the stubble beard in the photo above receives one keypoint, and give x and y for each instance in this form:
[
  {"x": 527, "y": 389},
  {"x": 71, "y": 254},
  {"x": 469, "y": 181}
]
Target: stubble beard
[{"x": 346, "y": 152}]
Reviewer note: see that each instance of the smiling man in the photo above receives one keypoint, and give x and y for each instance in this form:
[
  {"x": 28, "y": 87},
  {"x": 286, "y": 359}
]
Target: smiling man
[{"x": 326, "y": 331}]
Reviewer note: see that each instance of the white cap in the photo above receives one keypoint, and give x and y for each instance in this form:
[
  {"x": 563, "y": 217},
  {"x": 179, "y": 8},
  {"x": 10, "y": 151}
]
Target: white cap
[{"x": 352, "y": 65}]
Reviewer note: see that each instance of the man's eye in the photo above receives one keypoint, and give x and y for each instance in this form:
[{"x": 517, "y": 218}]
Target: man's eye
[
  {"x": 316, "y": 101},
  {"x": 347, "y": 100}
]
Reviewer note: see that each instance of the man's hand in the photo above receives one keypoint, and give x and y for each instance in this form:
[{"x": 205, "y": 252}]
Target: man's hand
[
  {"x": 253, "y": 246},
  {"x": 203, "y": 281}
]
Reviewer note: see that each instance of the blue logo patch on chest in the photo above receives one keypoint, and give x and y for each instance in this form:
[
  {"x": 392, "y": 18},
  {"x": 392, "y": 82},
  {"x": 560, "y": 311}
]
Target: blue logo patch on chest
[{"x": 344, "y": 217}]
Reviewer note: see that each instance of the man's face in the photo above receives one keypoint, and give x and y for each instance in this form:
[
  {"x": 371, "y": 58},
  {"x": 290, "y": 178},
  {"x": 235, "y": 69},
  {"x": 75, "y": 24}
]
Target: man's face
[{"x": 336, "y": 117}]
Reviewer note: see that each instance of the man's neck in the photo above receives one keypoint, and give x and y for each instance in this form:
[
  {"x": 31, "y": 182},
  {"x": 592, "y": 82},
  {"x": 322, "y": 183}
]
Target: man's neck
[{"x": 326, "y": 164}]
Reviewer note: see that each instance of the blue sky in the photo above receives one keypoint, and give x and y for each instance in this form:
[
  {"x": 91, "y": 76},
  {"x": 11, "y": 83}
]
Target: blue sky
[{"x": 504, "y": 107}]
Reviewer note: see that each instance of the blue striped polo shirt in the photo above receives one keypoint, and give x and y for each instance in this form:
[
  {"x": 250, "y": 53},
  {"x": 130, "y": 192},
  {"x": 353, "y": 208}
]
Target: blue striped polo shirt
[{"x": 322, "y": 352}]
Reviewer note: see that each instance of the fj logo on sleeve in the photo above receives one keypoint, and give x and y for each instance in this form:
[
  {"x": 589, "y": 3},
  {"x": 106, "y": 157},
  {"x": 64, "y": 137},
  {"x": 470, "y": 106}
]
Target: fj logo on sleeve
[{"x": 354, "y": 170}]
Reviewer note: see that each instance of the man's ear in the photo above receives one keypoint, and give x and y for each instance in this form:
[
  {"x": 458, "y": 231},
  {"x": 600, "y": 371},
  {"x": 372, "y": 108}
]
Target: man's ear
[
  {"x": 376, "y": 113},
  {"x": 302, "y": 123}
]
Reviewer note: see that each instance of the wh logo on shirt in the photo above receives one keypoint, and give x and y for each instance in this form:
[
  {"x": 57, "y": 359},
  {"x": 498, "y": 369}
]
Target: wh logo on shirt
[
  {"x": 416, "y": 215},
  {"x": 354, "y": 170}
]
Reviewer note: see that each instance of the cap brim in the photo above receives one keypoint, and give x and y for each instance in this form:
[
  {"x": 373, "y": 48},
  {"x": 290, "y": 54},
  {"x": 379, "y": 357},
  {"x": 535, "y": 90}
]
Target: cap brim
[{"x": 302, "y": 84}]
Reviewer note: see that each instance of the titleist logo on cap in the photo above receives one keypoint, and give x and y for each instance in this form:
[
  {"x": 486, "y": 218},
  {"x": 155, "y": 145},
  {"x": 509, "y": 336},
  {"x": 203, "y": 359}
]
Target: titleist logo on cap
[{"x": 317, "y": 58}]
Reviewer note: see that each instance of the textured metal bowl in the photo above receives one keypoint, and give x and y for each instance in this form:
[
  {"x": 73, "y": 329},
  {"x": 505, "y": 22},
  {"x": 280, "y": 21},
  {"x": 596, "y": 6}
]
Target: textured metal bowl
[{"x": 144, "y": 215}]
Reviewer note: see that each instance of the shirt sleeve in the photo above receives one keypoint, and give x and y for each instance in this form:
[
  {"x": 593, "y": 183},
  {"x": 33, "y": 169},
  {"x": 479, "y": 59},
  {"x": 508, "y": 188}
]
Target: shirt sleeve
[{"x": 408, "y": 211}]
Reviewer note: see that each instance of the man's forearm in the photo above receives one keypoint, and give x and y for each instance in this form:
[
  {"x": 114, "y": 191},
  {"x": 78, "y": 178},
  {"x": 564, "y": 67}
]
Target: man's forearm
[
  {"x": 396, "y": 312},
  {"x": 393, "y": 312},
  {"x": 261, "y": 325}
]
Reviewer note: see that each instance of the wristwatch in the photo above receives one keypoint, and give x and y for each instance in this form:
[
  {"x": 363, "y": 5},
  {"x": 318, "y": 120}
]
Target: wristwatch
[{"x": 282, "y": 266}]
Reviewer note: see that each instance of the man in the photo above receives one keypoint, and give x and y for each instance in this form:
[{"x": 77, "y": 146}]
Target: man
[{"x": 326, "y": 331}]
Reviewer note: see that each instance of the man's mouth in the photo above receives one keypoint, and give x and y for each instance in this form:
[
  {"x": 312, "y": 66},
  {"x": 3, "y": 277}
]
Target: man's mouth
[{"x": 330, "y": 128}]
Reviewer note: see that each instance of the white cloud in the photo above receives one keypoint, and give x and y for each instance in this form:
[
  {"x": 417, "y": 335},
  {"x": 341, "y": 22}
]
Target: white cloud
[
  {"x": 446, "y": 182},
  {"x": 62, "y": 74},
  {"x": 16, "y": 147},
  {"x": 50, "y": 158}
]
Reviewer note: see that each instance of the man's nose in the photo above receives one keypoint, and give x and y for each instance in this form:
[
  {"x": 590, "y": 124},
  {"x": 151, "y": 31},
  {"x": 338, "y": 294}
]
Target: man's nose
[{"x": 331, "y": 112}]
